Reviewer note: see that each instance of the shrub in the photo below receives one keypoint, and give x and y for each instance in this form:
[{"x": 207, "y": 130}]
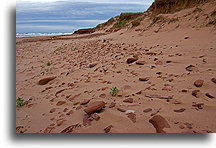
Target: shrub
[
  {"x": 20, "y": 102},
  {"x": 114, "y": 91},
  {"x": 119, "y": 24}
]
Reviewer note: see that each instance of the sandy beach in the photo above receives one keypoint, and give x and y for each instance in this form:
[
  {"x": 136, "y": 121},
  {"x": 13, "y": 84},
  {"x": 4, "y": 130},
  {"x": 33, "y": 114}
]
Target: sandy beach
[{"x": 163, "y": 69}]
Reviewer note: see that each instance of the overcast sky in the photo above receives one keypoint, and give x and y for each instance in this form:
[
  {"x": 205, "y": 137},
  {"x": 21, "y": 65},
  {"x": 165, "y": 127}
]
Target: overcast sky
[
  {"x": 70, "y": 15},
  {"x": 147, "y": 2}
]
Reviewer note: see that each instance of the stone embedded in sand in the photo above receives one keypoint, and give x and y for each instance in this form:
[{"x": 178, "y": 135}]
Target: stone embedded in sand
[
  {"x": 131, "y": 60},
  {"x": 108, "y": 128},
  {"x": 126, "y": 87},
  {"x": 121, "y": 110},
  {"x": 128, "y": 100},
  {"x": 94, "y": 107},
  {"x": 191, "y": 68},
  {"x": 86, "y": 120},
  {"x": 95, "y": 116},
  {"x": 140, "y": 62},
  {"x": 60, "y": 122},
  {"x": 69, "y": 129},
  {"x": 213, "y": 80},
  {"x": 159, "y": 123},
  {"x": 144, "y": 79},
  {"x": 112, "y": 105},
  {"x": 60, "y": 103},
  {"x": 179, "y": 110},
  {"x": 85, "y": 101},
  {"x": 132, "y": 116},
  {"x": 70, "y": 112},
  {"x": 52, "y": 110},
  {"x": 46, "y": 80},
  {"x": 209, "y": 95},
  {"x": 195, "y": 93},
  {"x": 102, "y": 95},
  {"x": 159, "y": 62},
  {"x": 147, "y": 110},
  {"x": 74, "y": 97},
  {"x": 198, "y": 105},
  {"x": 48, "y": 129},
  {"x": 187, "y": 37},
  {"x": 198, "y": 83},
  {"x": 92, "y": 65}
]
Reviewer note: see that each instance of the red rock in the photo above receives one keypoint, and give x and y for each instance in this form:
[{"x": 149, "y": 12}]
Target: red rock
[
  {"x": 69, "y": 129},
  {"x": 92, "y": 65},
  {"x": 121, "y": 110},
  {"x": 70, "y": 112},
  {"x": 46, "y": 80},
  {"x": 94, "y": 107},
  {"x": 108, "y": 128},
  {"x": 195, "y": 93},
  {"x": 126, "y": 87},
  {"x": 78, "y": 107},
  {"x": 48, "y": 129},
  {"x": 65, "y": 109},
  {"x": 198, "y": 105},
  {"x": 60, "y": 122},
  {"x": 140, "y": 62},
  {"x": 86, "y": 101},
  {"x": 95, "y": 116},
  {"x": 102, "y": 95},
  {"x": 86, "y": 120},
  {"x": 147, "y": 110},
  {"x": 198, "y": 83},
  {"x": 132, "y": 116},
  {"x": 76, "y": 103},
  {"x": 181, "y": 126},
  {"x": 52, "y": 110},
  {"x": 179, "y": 110},
  {"x": 159, "y": 62},
  {"x": 60, "y": 103},
  {"x": 213, "y": 80},
  {"x": 112, "y": 105},
  {"x": 209, "y": 95},
  {"x": 189, "y": 125},
  {"x": 131, "y": 60},
  {"x": 159, "y": 123},
  {"x": 191, "y": 68},
  {"x": 74, "y": 97},
  {"x": 144, "y": 79},
  {"x": 128, "y": 100}
]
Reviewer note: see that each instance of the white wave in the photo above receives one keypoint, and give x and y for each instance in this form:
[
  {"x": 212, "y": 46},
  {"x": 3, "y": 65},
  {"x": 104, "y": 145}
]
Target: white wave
[{"x": 21, "y": 35}]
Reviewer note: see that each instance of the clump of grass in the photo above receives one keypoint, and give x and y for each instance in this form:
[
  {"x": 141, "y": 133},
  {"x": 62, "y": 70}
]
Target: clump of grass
[
  {"x": 73, "y": 49},
  {"x": 158, "y": 18},
  {"x": 119, "y": 24},
  {"x": 49, "y": 63},
  {"x": 135, "y": 23},
  {"x": 129, "y": 15},
  {"x": 114, "y": 91},
  {"x": 20, "y": 102}
]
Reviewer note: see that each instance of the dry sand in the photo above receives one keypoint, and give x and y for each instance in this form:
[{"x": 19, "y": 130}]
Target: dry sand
[{"x": 85, "y": 67}]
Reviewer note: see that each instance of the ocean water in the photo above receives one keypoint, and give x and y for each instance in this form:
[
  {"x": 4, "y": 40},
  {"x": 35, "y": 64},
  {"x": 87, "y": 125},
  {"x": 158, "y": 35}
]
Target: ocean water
[
  {"x": 21, "y": 35},
  {"x": 64, "y": 17}
]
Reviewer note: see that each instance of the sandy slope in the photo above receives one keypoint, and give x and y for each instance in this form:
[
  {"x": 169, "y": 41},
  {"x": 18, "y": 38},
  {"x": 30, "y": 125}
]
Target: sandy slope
[{"x": 166, "y": 48}]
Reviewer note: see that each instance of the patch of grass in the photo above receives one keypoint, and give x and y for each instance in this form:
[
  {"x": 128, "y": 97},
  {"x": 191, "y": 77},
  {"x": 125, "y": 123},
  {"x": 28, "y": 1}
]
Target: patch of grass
[
  {"x": 49, "y": 63},
  {"x": 129, "y": 16},
  {"x": 73, "y": 49},
  {"x": 119, "y": 24},
  {"x": 20, "y": 102},
  {"x": 114, "y": 91}
]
